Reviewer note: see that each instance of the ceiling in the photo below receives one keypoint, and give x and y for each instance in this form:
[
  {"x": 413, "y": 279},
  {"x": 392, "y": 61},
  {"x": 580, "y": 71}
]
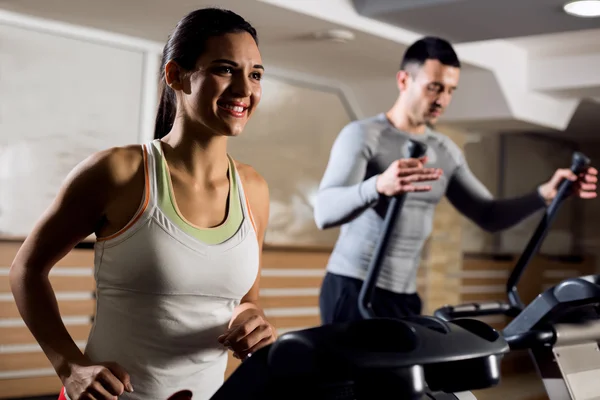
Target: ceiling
[
  {"x": 476, "y": 20},
  {"x": 542, "y": 64},
  {"x": 511, "y": 79},
  {"x": 286, "y": 38},
  {"x": 583, "y": 41}
]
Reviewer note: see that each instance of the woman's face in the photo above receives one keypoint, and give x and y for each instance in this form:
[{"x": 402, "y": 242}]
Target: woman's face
[{"x": 224, "y": 89}]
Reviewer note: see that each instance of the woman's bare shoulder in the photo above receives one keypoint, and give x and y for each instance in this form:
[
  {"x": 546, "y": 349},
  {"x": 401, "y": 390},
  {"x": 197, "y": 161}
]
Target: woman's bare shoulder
[
  {"x": 113, "y": 166},
  {"x": 251, "y": 177}
]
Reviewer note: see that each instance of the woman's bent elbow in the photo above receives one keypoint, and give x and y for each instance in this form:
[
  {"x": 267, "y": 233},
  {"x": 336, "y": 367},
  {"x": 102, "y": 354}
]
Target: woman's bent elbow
[
  {"x": 19, "y": 276},
  {"x": 15, "y": 276}
]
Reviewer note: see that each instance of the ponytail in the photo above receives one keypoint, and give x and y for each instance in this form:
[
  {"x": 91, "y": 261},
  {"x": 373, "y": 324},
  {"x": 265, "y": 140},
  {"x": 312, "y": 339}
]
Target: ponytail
[{"x": 166, "y": 111}]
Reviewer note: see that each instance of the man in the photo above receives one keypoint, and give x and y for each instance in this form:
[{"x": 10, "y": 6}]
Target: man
[{"x": 366, "y": 168}]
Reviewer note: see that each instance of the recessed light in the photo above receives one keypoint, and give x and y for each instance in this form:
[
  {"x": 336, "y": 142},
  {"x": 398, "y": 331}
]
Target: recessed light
[{"x": 583, "y": 8}]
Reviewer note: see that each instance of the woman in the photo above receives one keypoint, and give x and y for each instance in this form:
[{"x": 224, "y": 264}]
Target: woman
[{"x": 179, "y": 229}]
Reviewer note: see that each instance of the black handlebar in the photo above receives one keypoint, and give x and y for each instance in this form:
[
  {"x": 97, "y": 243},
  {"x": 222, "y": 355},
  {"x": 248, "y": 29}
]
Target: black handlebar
[
  {"x": 579, "y": 163},
  {"x": 414, "y": 150},
  {"x": 521, "y": 341}
]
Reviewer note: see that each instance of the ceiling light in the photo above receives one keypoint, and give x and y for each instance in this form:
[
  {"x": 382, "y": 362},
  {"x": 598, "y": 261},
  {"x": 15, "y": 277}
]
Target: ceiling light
[
  {"x": 335, "y": 35},
  {"x": 583, "y": 8}
]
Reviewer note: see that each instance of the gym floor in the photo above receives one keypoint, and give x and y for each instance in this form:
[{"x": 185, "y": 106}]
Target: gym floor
[{"x": 516, "y": 387}]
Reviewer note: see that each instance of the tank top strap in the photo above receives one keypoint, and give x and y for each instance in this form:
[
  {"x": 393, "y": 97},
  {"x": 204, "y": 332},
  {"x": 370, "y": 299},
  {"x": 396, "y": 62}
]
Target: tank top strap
[
  {"x": 152, "y": 180},
  {"x": 246, "y": 209}
]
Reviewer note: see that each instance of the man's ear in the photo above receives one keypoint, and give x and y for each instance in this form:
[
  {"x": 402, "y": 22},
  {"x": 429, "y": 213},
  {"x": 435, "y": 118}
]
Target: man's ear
[
  {"x": 174, "y": 75},
  {"x": 402, "y": 78}
]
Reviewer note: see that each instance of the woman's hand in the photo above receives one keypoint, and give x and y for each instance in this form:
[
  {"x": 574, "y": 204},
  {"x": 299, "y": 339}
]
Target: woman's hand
[
  {"x": 249, "y": 332},
  {"x": 103, "y": 381}
]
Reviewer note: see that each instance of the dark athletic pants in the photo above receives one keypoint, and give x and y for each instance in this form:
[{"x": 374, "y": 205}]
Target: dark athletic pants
[{"x": 338, "y": 301}]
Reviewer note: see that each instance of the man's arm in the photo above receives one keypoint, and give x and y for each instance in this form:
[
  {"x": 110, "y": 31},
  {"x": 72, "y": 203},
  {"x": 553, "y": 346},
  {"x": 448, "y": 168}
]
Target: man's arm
[
  {"x": 472, "y": 199},
  {"x": 343, "y": 193}
]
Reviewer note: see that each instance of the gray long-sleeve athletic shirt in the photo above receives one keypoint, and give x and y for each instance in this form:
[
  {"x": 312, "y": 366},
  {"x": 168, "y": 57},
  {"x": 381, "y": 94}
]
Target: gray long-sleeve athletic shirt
[{"x": 348, "y": 197}]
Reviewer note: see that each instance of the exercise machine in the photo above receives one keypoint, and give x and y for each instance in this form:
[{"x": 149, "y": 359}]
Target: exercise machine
[
  {"x": 374, "y": 358},
  {"x": 561, "y": 327}
]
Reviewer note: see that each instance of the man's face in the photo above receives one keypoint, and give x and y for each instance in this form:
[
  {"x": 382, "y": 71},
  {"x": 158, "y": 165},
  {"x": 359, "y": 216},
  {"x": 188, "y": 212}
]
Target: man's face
[{"x": 427, "y": 90}]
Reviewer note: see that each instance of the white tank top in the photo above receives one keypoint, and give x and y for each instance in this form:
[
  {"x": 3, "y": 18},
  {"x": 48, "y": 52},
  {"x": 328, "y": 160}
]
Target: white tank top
[{"x": 164, "y": 296}]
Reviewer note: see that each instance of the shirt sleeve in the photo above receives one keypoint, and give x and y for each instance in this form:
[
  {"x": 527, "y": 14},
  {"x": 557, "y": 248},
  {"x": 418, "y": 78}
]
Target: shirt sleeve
[
  {"x": 471, "y": 198},
  {"x": 344, "y": 193}
]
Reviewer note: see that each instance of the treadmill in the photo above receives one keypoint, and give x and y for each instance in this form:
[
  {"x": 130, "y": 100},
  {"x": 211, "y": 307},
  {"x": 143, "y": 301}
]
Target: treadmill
[
  {"x": 374, "y": 358},
  {"x": 560, "y": 328}
]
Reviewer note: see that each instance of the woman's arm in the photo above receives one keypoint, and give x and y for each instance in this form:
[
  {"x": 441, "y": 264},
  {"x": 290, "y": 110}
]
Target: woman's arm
[
  {"x": 77, "y": 211},
  {"x": 249, "y": 329}
]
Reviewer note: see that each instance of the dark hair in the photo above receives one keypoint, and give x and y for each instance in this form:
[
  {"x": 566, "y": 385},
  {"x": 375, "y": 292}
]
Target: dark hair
[
  {"x": 430, "y": 48},
  {"x": 185, "y": 45}
]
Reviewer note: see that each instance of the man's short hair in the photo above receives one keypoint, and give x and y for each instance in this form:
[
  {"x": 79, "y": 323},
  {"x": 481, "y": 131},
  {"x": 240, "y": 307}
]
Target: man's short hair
[{"x": 430, "y": 48}]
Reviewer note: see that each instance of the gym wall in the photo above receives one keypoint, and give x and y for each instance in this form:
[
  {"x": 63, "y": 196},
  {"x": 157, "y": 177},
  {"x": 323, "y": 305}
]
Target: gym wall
[
  {"x": 63, "y": 97},
  {"x": 372, "y": 95}
]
